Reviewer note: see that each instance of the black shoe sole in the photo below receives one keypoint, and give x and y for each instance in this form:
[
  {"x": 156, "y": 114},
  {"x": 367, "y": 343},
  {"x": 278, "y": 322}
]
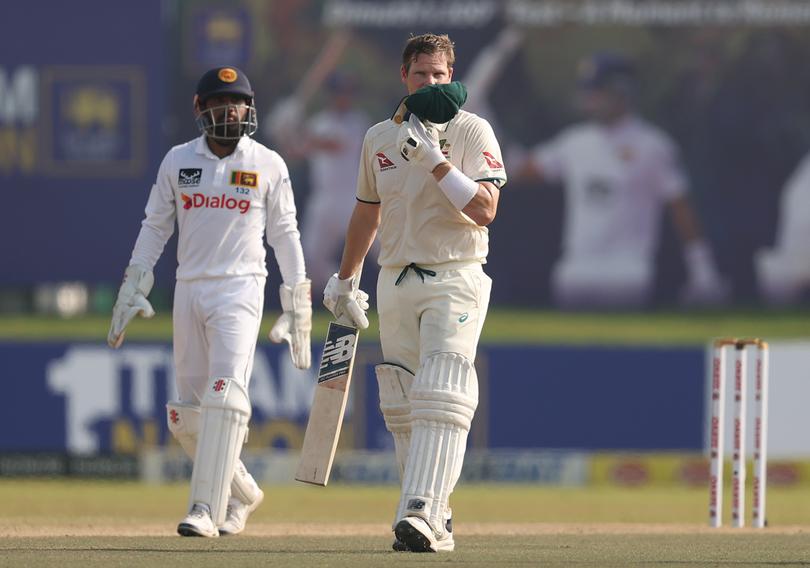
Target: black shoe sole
[
  {"x": 399, "y": 546},
  {"x": 413, "y": 540},
  {"x": 184, "y": 529}
]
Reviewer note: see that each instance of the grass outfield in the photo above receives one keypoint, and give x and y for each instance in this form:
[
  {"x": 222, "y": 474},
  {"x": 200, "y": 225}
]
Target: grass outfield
[
  {"x": 88, "y": 524},
  {"x": 503, "y": 326}
]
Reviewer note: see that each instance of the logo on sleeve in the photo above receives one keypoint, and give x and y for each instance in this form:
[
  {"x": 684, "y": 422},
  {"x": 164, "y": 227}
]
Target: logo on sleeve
[
  {"x": 385, "y": 162},
  {"x": 492, "y": 162},
  {"x": 189, "y": 177},
  {"x": 245, "y": 179}
]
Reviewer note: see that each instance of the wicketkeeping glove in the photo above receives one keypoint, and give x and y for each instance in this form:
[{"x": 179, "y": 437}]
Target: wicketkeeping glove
[
  {"x": 419, "y": 144},
  {"x": 131, "y": 301},
  {"x": 346, "y": 301},
  {"x": 295, "y": 324}
]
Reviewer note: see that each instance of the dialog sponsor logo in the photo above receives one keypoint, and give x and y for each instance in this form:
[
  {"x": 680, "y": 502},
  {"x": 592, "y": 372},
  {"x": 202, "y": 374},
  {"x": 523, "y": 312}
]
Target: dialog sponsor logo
[{"x": 199, "y": 200}]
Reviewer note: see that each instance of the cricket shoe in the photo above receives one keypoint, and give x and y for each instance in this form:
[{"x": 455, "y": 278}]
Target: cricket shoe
[
  {"x": 417, "y": 536},
  {"x": 399, "y": 546},
  {"x": 237, "y": 514},
  {"x": 198, "y": 522}
]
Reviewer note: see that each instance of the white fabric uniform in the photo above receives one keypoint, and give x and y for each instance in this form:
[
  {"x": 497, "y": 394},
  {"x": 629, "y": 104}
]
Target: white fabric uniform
[
  {"x": 419, "y": 225},
  {"x": 430, "y": 323},
  {"x": 222, "y": 208},
  {"x": 333, "y": 179},
  {"x": 617, "y": 180},
  {"x": 783, "y": 271}
]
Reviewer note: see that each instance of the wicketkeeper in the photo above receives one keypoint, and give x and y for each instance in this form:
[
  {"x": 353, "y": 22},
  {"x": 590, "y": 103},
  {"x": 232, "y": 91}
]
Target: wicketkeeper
[
  {"x": 225, "y": 191},
  {"x": 428, "y": 186}
]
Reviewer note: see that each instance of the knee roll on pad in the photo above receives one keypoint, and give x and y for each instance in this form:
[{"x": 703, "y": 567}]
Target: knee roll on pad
[
  {"x": 184, "y": 424},
  {"x": 223, "y": 425},
  {"x": 445, "y": 390}
]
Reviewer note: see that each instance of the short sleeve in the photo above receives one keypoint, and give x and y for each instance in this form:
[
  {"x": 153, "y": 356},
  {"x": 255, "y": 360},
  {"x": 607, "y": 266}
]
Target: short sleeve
[
  {"x": 366, "y": 182},
  {"x": 482, "y": 156}
]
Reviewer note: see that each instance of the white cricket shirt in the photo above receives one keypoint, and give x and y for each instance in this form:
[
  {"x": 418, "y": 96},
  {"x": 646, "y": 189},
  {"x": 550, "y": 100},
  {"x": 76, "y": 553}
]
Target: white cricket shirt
[
  {"x": 222, "y": 207},
  {"x": 616, "y": 181},
  {"x": 418, "y": 222}
]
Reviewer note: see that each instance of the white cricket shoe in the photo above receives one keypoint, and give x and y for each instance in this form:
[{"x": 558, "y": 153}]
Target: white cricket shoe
[
  {"x": 198, "y": 522},
  {"x": 237, "y": 514},
  {"x": 417, "y": 536}
]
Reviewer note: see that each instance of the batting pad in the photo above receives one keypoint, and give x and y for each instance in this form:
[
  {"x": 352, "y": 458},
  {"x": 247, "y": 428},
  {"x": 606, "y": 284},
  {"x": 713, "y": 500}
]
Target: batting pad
[
  {"x": 395, "y": 385},
  {"x": 184, "y": 424},
  {"x": 223, "y": 425},
  {"x": 443, "y": 398}
]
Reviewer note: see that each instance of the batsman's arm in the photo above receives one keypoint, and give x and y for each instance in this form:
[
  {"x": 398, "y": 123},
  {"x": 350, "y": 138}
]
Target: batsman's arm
[
  {"x": 483, "y": 206},
  {"x": 359, "y": 236}
]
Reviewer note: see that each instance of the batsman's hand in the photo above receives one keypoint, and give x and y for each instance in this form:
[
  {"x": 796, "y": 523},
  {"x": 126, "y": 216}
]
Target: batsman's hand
[
  {"x": 346, "y": 301},
  {"x": 131, "y": 301},
  {"x": 704, "y": 286},
  {"x": 418, "y": 143},
  {"x": 295, "y": 324}
]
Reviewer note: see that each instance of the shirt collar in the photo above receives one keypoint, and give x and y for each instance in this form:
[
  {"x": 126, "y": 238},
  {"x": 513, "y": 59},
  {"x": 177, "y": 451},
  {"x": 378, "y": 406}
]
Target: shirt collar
[{"x": 201, "y": 147}]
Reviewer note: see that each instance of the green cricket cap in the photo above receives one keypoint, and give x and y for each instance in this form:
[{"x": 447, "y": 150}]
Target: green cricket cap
[{"x": 437, "y": 103}]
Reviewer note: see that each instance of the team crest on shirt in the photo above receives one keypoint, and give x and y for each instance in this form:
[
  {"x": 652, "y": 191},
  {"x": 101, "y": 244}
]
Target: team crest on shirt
[
  {"x": 492, "y": 162},
  {"x": 189, "y": 177},
  {"x": 385, "y": 162},
  {"x": 444, "y": 146},
  {"x": 245, "y": 179}
]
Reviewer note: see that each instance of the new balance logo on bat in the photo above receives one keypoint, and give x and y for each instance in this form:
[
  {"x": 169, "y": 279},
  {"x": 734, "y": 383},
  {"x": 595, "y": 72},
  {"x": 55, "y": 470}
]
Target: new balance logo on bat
[{"x": 337, "y": 352}]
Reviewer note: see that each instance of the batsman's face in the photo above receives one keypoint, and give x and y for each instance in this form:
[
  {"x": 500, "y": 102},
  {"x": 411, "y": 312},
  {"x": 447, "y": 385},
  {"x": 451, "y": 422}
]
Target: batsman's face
[
  {"x": 601, "y": 105},
  {"x": 426, "y": 69},
  {"x": 227, "y": 108}
]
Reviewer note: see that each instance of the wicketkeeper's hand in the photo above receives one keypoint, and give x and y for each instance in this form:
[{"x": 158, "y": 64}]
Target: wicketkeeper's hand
[
  {"x": 346, "y": 301},
  {"x": 419, "y": 144},
  {"x": 295, "y": 324},
  {"x": 131, "y": 301}
]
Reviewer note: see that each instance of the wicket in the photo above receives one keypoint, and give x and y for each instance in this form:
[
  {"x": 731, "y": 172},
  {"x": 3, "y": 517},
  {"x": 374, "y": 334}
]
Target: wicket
[{"x": 760, "y": 388}]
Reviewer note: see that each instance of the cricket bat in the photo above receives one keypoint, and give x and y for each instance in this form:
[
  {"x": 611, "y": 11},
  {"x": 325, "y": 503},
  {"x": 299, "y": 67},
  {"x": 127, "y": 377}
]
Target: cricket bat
[{"x": 328, "y": 405}]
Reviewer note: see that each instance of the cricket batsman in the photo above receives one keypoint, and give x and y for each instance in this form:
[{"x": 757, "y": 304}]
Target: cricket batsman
[
  {"x": 225, "y": 191},
  {"x": 428, "y": 185}
]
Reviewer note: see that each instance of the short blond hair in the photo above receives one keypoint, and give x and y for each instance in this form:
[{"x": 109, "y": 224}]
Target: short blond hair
[{"x": 429, "y": 44}]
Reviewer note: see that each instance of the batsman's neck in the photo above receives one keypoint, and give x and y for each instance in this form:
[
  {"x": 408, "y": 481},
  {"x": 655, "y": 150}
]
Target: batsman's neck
[{"x": 221, "y": 148}]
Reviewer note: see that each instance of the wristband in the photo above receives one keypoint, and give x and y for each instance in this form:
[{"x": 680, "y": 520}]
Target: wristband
[{"x": 458, "y": 188}]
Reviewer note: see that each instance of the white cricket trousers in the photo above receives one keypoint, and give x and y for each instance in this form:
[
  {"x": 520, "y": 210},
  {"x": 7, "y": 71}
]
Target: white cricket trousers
[
  {"x": 216, "y": 324},
  {"x": 442, "y": 314}
]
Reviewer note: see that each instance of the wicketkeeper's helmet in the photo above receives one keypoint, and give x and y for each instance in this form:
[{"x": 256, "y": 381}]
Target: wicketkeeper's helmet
[{"x": 225, "y": 81}]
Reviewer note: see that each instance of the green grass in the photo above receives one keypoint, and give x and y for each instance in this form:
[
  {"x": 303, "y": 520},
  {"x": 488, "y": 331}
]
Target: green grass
[
  {"x": 301, "y": 526},
  {"x": 503, "y": 326},
  {"x": 74, "y": 503}
]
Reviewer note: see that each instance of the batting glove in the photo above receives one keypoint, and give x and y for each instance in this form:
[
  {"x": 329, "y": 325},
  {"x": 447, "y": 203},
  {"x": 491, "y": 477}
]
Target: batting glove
[
  {"x": 346, "y": 301},
  {"x": 419, "y": 144},
  {"x": 295, "y": 324},
  {"x": 131, "y": 301}
]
